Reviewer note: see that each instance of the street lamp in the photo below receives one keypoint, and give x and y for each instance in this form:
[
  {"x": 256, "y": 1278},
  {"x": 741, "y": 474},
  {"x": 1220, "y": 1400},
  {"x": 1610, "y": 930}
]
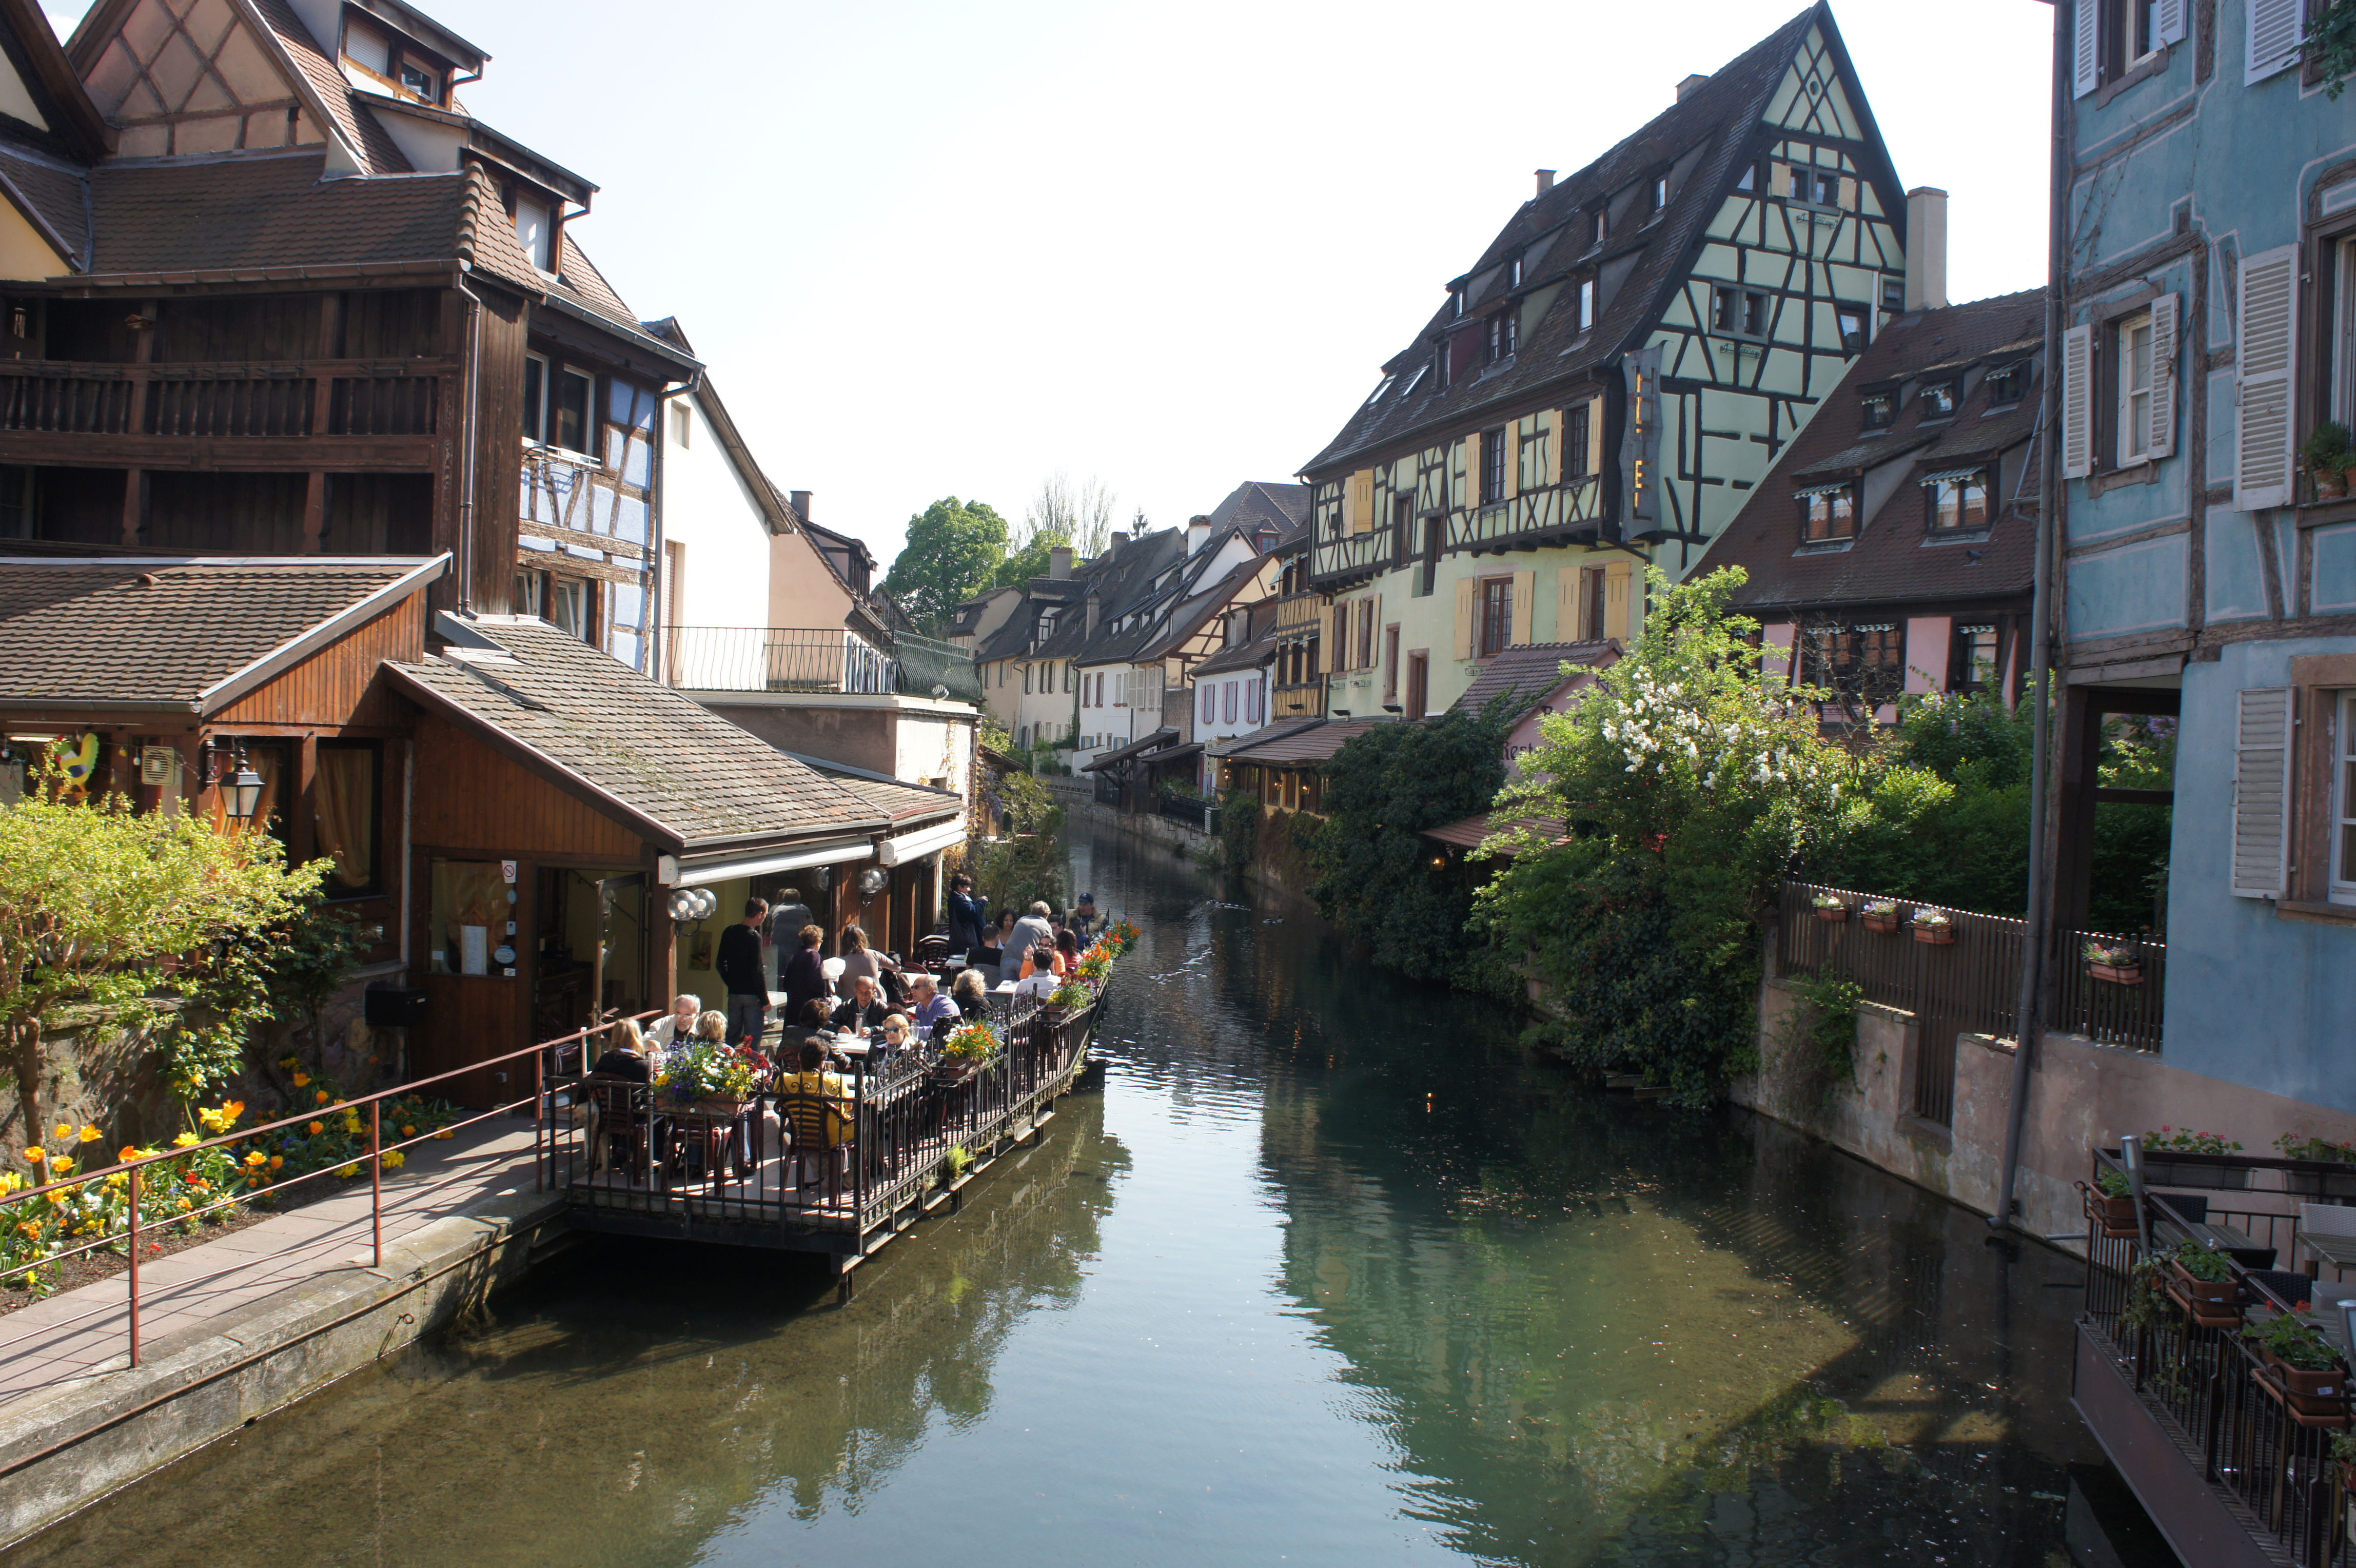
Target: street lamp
[{"x": 240, "y": 792}]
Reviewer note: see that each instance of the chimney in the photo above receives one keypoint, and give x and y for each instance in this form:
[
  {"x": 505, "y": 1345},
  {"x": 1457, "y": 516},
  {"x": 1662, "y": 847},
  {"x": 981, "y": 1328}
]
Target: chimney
[
  {"x": 801, "y": 505},
  {"x": 1546, "y": 180},
  {"x": 1059, "y": 561},
  {"x": 1198, "y": 533},
  {"x": 1089, "y": 625},
  {"x": 1926, "y": 248},
  {"x": 1688, "y": 85}
]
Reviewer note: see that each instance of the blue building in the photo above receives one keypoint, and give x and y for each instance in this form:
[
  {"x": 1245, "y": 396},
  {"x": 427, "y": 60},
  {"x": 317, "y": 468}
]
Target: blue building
[{"x": 2206, "y": 571}]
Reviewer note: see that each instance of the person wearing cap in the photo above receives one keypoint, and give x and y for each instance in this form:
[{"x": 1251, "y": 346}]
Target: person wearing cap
[{"x": 1084, "y": 914}]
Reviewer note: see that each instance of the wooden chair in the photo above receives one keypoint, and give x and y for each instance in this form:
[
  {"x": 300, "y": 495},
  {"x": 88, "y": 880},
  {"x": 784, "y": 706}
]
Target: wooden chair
[
  {"x": 817, "y": 1131},
  {"x": 621, "y": 1127}
]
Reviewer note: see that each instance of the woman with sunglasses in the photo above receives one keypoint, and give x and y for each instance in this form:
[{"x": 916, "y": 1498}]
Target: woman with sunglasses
[{"x": 888, "y": 1041}]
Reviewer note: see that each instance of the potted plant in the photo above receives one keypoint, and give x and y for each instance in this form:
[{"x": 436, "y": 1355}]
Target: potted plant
[
  {"x": 970, "y": 1047},
  {"x": 2343, "y": 1455},
  {"x": 713, "y": 1079},
  {"x": 2162, "y": 1172},
  {"x": 2317, "y": 1150},
  {"x": 1071, "y": 997},
  {"x": 2111, "y": 1203},
  {"x": 1830, "y": 906},
  {"x": 1935, "y": 927},
  {"x": 1879, "y": 915},
  {"x": 2326, "y": 454},
  {"x": 2300, "y": 1366},
  {"x": 2121, "y": 964},
  {"x": 2203, "y": 1282}
]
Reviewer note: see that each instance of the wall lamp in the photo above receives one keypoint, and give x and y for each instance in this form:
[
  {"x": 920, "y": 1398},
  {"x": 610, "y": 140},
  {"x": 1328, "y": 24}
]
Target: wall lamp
[{"x": 241, "y": 791}]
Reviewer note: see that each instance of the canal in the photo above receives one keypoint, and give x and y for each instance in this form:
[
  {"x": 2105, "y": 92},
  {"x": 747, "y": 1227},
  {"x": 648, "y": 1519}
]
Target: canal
[{"x": 1323, "y": 1273}]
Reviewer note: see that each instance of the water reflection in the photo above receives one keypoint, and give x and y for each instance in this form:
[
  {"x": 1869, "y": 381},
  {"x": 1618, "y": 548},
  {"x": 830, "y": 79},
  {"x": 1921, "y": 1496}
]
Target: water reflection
[{"x": 1326, "y": 1274}]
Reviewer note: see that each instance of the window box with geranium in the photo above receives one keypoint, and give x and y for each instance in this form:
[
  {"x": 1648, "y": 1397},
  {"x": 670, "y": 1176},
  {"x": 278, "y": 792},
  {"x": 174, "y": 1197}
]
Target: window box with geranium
[
  {"x": 1830, "y": 906},
  {"x": 2121, "y": 964},
  {"x": 2110, "y": 1203},
  {"x": 969, "y": 1050},
  {"x": 713, "y": 1079},
  {"x": 2300, "y": 1369},
  {"x": 2202, "y": 1284},
  {"x": 1935, "y": 927},
  {"x": 2320, "y": 1152},
  {"x": 2177, "y": 1156},
  {"x": 1881, "y": 915}
]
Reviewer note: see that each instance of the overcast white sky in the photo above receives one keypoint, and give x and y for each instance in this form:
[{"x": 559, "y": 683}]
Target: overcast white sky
[{"x": 940, "y": 248}]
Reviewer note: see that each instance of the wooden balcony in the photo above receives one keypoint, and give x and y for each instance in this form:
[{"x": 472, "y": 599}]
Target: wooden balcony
[
  {"x": 1300, "y": 612},
  {"x": 1559, "y": 514},
  {"x": 1306, "y": 701},
  {"x": 181, "y": 414}
]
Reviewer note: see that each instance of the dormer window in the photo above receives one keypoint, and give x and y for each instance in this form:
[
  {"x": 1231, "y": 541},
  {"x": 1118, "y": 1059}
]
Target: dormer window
[
  {"x": 1586, "y": 304},
  {"x": 1957, "y": 500},
  {"x": 2007, "y": 384},
  {"x": 1660, "y": 193},
  {"x": 1599, "y": 225},
  {"x": 1939, "y": 400},
  {"x": 1877, "y": 409},
  {"x": 535, "y": 227},
  {"x": 1893, "y": 293},
  {"x": 1514, "y": 273},
  {"x": 1455, "y": 303},
  {"x": 421, "y": 79},
  {"x": 1827, "y": 512},
  {"x": 1505, "y": 336}
]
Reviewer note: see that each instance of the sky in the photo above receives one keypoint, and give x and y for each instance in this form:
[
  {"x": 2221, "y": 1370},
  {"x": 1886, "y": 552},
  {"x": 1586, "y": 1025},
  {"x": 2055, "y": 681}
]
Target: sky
[{"x": 944, "y": 247}]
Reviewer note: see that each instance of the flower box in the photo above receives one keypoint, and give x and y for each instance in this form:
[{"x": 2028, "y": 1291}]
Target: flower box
[
  {"x": 2116, "y": 1216},
  {"x": 2160, "y": 1170},
  {"x": 2117, "y": 973},
  {"x": 1885, "y": 924},
  {"x": 1941, "y": 936},
  {"x": 1833, "y": 914},
  {"x": 2310, "y": 1393},
  {"x": 2320, "y": 1183},
  {"x": 2214, "y": 1304}
]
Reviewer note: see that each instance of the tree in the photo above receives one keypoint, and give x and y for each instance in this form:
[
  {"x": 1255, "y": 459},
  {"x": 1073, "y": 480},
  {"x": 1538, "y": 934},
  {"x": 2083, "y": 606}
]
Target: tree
[
  {"x": 954, "y": 548},
  {"x": 143, "y": 923},
  {"x": 1375, "y": 878},
  {"x": 1061, "y": 514},
  {"x": 1025, "y": 866}
]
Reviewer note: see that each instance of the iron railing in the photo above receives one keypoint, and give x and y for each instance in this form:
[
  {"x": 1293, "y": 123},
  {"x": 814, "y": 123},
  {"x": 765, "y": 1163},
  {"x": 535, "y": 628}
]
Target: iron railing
[
  {"x": 815, "y": 659},
  {"x": 1968, "y": 980},
  {"x": 549, "y": 1058},
  {"x": 1200, "y": 815},
  {"x": 842, "y": 1166},
  {"x": 2234, "y": 1415}
]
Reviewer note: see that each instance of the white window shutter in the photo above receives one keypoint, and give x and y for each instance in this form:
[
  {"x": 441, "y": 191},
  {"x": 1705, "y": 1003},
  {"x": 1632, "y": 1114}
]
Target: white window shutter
[
  {"x": 2084, "y": 63},
  {"x": 2264, "y": 364},
  {"x": 2077, "y": 402},
  {"x": 2273, "y": 37},
  {"x": 2261, "y": 791},
  {"x": 2170, "y": 22},
  {"x": 2160, "y": 439}
]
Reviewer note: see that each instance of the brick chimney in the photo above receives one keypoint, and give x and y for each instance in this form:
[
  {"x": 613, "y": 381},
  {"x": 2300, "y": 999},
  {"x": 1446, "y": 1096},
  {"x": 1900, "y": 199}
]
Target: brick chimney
[
  {"x": 1059, "y": 561},
  {"x": 1926, "y": 248},
  {"x": 1198, "y": 533},
  {"x": 1688, "y": 85},
  {"x": 1546, "y": 180}
]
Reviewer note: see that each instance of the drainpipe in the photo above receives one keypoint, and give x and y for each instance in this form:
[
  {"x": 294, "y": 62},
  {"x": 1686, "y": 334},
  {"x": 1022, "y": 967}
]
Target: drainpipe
[
  {"x": 469, "y": 438},
  {"x": 2028, "y": 1026}
]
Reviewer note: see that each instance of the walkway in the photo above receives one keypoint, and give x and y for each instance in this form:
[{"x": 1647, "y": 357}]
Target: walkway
[{"x": 84, "y": 1331}]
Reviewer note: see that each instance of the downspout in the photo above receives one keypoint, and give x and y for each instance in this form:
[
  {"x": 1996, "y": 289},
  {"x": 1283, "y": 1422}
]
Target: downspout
[
  {"x": 2028, "y": 1024},
  {"x": 469, "y": 438}
]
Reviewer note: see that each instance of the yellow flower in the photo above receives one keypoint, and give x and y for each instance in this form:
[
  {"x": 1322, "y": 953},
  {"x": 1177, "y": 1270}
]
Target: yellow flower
[
  {"x": 409, "y": 1131},
  {"x": 119, "y": 1179},
  {"x": 319, "y": 1097},
  {"x": 277, "y": 1162},
  {"x": 90, "y": 1134},
  {"x": 61, "y": 1168},
  {"x": 36, "y": 1155},
  {"x": 395, "y": 1159},
  {"x": 65, "y": 1133},
  {"x": 318, "y": 1128},
  {"x": 257, "y": 1158},
  {"x": 184, "y": 1140},
  {"x": 128, "y": 1153},
  {"x": 302, "y": 1081},
  {"x": 444, "y": 1133},
  {"x": 58, "y": 1199},
  {"x": 348, "y": 1171}
]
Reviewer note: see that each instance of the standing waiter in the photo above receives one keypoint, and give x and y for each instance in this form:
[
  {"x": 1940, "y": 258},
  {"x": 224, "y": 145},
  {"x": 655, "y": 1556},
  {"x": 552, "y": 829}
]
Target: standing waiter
[{"x": 744, "y": 974}]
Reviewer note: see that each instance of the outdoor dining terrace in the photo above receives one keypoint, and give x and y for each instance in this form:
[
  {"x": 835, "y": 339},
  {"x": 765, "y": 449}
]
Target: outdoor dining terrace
[{"x": 2214, "y": 1348}]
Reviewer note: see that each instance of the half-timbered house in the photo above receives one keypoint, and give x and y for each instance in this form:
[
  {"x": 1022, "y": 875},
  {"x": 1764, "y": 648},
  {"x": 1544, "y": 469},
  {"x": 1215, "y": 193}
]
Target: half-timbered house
[
  {"x": 1601, "y": 390},
  {"x": 270, "y": 289}
]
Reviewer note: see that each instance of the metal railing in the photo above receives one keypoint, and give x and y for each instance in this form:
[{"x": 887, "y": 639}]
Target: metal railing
[
  {"x": 815, "y": 659},
  {"x": 548, "y": 1059},
  {"x": 847, "y": 1162},
  {"x": 2240, "y": 1421},
  {"x": 1969, "y": 979},
  {"x": 1200, "y": 815}
]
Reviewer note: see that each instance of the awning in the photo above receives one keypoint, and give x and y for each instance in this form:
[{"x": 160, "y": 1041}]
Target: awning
[
  {"x": 1833, "y": 488},
  {"x": 1123, "y": 754},
  {"x": 916, "y": 845},
  {"x": 1174, "y": 754},
  {"x": 669, "y": 873},
  {"x": 1948, "y": 476},
  {"x": 1470, "y": 831}
]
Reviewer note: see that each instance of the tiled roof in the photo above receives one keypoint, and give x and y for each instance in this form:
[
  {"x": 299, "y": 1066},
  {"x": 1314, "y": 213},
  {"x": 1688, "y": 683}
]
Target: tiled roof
[
  {"x": 1250, "y": 654},
  {"x": 1255, "y": 500},
  {"x": 1294, "y": 746},
  {"x": 1532, "y": 670},
  {"x": 271, "y": 210},
  {"x": 902, "y": 802},
  {"x": 1265, "y": 732},
  {"x": 58, "y": 192},
  {"x": 1894, "y": 559},
  {"x": 1158, "y": 738},
  {"x": 670, "y": 761},
  {"x": 361, "y": 129},
  {"x": 1714, "y": 120},
  {"x": 84, "y": 631},
  {"x": 1470, "y": 833}
]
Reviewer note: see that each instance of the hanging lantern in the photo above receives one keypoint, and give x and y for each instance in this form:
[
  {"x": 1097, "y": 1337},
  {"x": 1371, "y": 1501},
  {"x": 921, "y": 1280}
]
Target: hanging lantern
[{"x": 872, "y": 881}]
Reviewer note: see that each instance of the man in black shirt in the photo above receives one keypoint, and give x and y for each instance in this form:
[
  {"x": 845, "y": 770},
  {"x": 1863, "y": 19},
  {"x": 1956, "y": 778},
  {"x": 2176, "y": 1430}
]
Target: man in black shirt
[{"x": 741, "y": 971}]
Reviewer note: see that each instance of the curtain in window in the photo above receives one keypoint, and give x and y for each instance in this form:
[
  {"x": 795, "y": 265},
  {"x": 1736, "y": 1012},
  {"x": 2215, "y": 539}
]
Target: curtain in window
[{"x": 344, "y": 792}]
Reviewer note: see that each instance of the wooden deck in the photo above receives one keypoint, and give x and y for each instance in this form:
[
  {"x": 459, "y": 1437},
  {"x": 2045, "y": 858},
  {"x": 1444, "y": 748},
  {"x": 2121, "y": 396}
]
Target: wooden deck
[{"x": 893, "y": 1165}]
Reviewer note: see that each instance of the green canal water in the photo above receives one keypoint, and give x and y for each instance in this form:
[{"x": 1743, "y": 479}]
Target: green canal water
[{"x": 1323, "y": 1273}]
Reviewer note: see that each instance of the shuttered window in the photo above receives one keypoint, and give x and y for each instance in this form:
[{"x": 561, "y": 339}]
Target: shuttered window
[
  {"x": 2086, "y": 57},
  {"x": 2269, "y": 288},
  {"x": 2077, "y": 402},
  {"x": 2168, "y": 21},
  {"x": 2160, "y": 437},
  {"x": 2261, "y": 791},
  {"x": 2274, "y": 35}
]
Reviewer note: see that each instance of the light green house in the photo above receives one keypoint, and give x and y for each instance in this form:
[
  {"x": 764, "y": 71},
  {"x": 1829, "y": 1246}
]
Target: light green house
[{"x": 1602, "y": 391}]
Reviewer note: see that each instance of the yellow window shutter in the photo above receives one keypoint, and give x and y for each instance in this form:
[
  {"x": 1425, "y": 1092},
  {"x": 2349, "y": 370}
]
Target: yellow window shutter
[
  {"x": 1595, "y": 436},
  {"x": 1473, "y": 458},
  {"x": 1466, "y": 588},
  {"x": 1616, "y": 578},
  {"x": 1526, "y": 607},
  {"x": 1554, "y": 447},
  {"x": 1566, "y": 604},
  {"x": 1328, "y": 638},
  {"x": 1360, "y": 502},
  {"x": 1513, "y": 458}
]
